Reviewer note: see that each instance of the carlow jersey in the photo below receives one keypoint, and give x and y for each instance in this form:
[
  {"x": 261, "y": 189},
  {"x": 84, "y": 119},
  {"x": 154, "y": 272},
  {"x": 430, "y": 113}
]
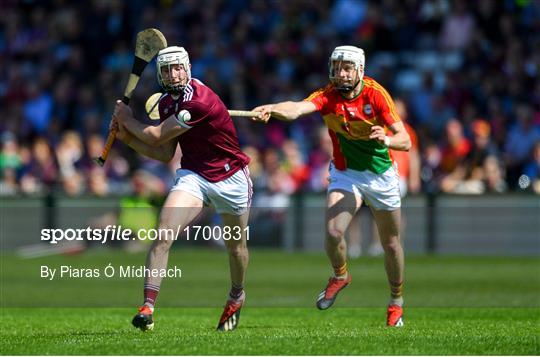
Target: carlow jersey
[
  {"x": 349, "y": 123},
  {"x": 210, "y": 147}
]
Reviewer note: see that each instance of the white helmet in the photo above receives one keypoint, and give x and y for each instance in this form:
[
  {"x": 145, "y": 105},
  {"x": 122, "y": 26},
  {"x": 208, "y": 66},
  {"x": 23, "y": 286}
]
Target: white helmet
[
  {"x": 346, "y": 54},
  {"x": 168, "y": 56}
]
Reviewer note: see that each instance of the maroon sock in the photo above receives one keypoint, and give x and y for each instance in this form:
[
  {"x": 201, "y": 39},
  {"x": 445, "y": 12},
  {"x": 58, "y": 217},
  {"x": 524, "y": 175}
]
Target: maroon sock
[
  {"x": 236, "y": 291},
  {"x": 150, "y": 294}
]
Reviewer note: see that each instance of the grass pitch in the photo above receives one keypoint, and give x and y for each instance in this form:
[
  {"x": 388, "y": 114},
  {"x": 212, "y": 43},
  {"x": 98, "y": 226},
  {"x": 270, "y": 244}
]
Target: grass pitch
[
  {"x": 454, "y": 306},
  {"x": 272, "y": 331}
]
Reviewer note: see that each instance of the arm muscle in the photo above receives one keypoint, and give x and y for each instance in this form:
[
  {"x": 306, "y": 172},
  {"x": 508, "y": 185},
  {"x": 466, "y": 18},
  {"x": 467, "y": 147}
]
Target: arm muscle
[{"x": 288, "y": 111}]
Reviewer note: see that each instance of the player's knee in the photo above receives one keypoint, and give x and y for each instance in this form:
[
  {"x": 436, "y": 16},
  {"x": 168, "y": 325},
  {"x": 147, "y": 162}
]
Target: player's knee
[
  {"x": 237, "y": 251},
  {"x": 392, "y": 246},
  {"x": 335, "y": 234},
  {"x": 162, "y": 245},
  {"x": 164, "y": 239}
]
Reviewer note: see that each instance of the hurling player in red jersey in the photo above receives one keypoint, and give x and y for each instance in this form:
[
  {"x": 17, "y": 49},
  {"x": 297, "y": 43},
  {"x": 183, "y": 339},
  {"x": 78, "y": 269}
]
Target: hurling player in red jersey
[
  {"x": 358, "y": 112},
  {"x": 213, "y": 171}
]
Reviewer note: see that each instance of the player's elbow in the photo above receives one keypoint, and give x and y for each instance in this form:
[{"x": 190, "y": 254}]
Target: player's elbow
[
  {"x": 408, "y": 144},
  {"x": 157, "y": 142},
  {"x": 154, "y": 137},
  {"x": 405, "y": 141}
]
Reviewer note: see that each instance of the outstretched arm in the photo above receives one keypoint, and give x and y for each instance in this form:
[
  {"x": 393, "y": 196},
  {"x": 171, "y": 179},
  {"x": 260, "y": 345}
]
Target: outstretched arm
[
  {"x": 148, "y": 134},
  {"x": 286, "y": 111}
]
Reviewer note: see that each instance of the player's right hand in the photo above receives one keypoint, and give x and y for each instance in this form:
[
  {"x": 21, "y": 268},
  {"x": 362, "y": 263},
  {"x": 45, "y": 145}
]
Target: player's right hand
[
  {"x": 265, "y": 113},
  {"x": 122, "y": 112},
  {"x": 121, "y": 133}
]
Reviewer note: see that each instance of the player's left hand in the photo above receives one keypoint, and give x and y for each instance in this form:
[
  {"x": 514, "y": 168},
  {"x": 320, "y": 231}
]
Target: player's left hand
[
  {"x": 265, "y": 113},
  {"x": 121, "y": 133},
  {"x": 122, "y": 112},
  {"x": 377, "y": 133}
]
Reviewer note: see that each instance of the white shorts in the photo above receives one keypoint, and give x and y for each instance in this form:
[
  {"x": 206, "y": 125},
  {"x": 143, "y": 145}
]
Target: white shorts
[
  {"x": 403, "y": 186},
  {"x": 380, "y": 191},
  {"x": 231, "y": 196}
]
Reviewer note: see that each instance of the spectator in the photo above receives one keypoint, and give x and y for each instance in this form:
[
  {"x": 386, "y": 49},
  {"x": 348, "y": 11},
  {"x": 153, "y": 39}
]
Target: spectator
[
  {"x": 494, "y": 175},
  {"x": 9, "y": 156},
  {"x": 469, "y": 60},
  {"x": 348, "y": 14},
  {"x": 69, "y": 153},
  {"x": 294, "y": 165},
  {"x": 482, "y": 170},
  {"x": 320, "y": 161},
  {"x": 456, "y": 148},
  {"x": 42, "y": 172},
  {"x": 454, "y": 153},
  {"x": 73, "y": 184},
  {"x": 38, "y": 109},
  {"x": 10, "y": 163},
  {"x": 457, "y": 28},
  {"x": 255, "y": 165},
  {"x": 276, "y": 180},
  {"x": 522, "y": 136},
  {"x": 407, "y": 162},
  {"x": 532, "y": 169},
  {"x": 483, "y": 147},
  {"x": 98, "y": 183}
]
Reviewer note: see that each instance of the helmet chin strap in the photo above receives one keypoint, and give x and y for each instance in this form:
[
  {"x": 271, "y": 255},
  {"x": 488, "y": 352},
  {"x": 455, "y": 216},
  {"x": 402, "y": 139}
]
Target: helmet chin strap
[
  {"x": 176, "y": 91},
  {"x": 345, "y": 89}
]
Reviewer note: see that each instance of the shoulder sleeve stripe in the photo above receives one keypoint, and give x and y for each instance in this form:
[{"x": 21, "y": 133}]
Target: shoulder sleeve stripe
[
  {"x": 188, "y": 93},
  {"x": 315, "y": 94},
  {"x": 389, "y": 102}
]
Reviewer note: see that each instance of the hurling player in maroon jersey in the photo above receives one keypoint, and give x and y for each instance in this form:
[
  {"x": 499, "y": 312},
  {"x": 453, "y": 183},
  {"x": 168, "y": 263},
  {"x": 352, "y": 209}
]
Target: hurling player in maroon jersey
[{"x": 213, "y": 171}]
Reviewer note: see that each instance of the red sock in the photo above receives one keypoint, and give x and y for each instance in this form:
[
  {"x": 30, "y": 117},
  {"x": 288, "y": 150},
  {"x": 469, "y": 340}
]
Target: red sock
[{"x": 150, "y": 294}]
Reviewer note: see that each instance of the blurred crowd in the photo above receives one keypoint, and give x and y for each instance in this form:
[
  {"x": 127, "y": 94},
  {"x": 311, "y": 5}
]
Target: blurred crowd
[{"x": 467, "y": 72}]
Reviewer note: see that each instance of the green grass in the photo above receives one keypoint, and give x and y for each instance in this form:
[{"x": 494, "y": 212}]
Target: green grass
[
  {"x": 274, "y": 331},
  {"x": 454, "y": 306}
]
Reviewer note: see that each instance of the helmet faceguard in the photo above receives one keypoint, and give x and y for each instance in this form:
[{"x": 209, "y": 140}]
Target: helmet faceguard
[
  {"x": 341, "y": 57},
  {"x": 170, "y": 56}
]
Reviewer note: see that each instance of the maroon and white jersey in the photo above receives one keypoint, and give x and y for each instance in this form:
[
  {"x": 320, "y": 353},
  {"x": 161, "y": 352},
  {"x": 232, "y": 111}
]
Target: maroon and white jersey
[{"x": 210, "y": 147}]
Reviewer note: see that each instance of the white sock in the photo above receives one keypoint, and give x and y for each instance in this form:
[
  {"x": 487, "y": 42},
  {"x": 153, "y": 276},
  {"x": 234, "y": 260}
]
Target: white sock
[
  {"x": 396, "y": 301},
  {"x": 342, "y": 277}
]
